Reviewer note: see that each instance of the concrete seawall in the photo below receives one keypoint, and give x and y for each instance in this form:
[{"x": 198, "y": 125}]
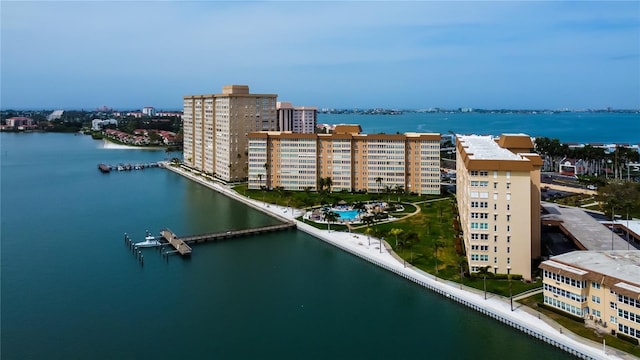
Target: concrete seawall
[{"x": 495, "y": 307}]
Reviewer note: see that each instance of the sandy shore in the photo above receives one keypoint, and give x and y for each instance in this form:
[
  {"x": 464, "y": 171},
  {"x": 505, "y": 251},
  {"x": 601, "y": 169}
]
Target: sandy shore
[
  {"x": 379, "y": 253},
  {"x": 106, "y": 144}
]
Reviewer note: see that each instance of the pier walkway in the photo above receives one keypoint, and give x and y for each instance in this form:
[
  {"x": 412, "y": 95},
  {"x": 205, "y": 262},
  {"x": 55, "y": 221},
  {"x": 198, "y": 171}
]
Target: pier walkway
[
  {"x": 181, "y": 244},
  {"x": 177, "y": 243}
]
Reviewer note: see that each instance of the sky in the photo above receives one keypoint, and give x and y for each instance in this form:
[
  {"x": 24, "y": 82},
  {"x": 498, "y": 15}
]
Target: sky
[{"x": 343, "y": 54}]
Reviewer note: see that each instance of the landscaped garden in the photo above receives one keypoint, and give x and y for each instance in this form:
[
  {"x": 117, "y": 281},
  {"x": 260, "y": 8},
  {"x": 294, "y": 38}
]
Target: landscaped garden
[{"x": 426, "y": 240}]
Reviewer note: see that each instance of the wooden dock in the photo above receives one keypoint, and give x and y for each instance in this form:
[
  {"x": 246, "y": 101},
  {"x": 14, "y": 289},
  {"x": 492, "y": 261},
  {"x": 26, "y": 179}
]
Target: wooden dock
[
  {"x": 177, "y": 243},
  {"x": 181, "y": 243}
]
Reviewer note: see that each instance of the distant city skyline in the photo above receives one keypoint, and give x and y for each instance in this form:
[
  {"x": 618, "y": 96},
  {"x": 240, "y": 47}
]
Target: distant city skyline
[{"x": 403, "y": 55}]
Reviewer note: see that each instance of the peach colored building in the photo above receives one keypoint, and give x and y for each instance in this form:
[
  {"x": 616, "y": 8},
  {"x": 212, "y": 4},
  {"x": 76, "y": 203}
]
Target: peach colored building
[
  {"x": 216, "y": 127},
  {"x": 354, "y": 161},
  {"x": 603, "y": 287},
  {"x": 498, "y": 194}
]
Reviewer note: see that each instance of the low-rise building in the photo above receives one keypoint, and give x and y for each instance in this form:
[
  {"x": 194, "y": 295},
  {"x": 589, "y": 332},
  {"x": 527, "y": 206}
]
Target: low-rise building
[
  {"x": 20, "y": 122},
  {"x": 602, "y": 287}
]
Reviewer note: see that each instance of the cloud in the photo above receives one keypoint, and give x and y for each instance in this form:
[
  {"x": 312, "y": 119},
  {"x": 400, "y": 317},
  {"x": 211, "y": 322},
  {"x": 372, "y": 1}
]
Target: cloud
[{"x": 164, "y": 50}]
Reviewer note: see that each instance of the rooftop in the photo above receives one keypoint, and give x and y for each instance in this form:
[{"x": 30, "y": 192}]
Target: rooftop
[
  {"x": 484, "y": 147},
  {"x": 622, "y": 265},
  {"x": 583, "y": 228}
]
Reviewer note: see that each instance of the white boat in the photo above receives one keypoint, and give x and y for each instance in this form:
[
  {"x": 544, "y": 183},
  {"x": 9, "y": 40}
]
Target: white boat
[{"x": 149, "y": 241}]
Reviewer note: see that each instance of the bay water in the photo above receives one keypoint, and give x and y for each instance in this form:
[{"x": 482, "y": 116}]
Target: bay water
[
  {"x": 71, "y": 288},
  {"x": 569, "y": 127}
]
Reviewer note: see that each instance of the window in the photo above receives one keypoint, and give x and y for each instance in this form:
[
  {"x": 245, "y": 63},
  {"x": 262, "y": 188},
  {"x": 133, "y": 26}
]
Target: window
[
  {"x": 508, "y": 185},
  {"x": 508, "y": 238},
  {"x": 508, "y": 249},
  {"x": 613, "y": 305},
  {"x": 508, "y": 217},
  {"x": 495, "y": 185},
  {"x": 595, "y": 285},
  {"x": 595, "y": 299}
]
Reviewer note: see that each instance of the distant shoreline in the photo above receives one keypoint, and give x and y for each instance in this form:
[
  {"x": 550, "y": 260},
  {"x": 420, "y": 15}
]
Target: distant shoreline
[{"x": 106, "y": 144}]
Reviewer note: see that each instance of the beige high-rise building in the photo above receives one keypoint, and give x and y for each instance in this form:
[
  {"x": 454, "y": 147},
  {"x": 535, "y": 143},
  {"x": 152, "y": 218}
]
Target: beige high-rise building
[
  {"x": 498, "y": 194},
  {"x": 602, "y": 287},
  {"x": 354, "y": 161},
  {"x": 216, "y": 128}
]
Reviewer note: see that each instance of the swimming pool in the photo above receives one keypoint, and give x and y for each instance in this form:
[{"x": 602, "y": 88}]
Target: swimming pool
[{"x": 346, "y": 215}]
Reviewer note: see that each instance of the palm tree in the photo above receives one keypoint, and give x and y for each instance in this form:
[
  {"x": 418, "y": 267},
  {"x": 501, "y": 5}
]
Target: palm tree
[
  {"x": 330, "y": 216},
  {"x": 437, "y": 244},
  {"x": 266, "y": 171},
  {"x": 379, "y": 182},
  {"x": 328, "y": 183},
  {"x": 484, "y": 270},
  {"x": 396, "y": 232},
  {"x": 321, "y": 184}
]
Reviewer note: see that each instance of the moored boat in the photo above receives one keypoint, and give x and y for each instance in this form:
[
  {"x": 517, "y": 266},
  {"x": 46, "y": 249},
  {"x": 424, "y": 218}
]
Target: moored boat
[
  {"x": 149, "y": 241},
  {"x": 104, "y": 168}
]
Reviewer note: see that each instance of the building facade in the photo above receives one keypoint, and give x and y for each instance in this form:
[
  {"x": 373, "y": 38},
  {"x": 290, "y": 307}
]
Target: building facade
[
  {"x": 300, "y": 119},
  {"x": 603, "y": 287},
  {"x": 216, "y": 127},
  {"x": 498, "y": 196},
  {"x": 353, "y": 161}
]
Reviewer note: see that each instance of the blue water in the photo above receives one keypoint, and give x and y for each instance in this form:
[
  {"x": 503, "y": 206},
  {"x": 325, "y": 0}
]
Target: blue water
[
  {"x": 346, "y": 215},
  {"x": 578, "y": 127},
  {"x": 71, "y": 288}
]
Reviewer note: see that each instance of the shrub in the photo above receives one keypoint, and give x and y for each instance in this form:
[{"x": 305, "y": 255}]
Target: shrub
[
  {"x": 627, "y": 338},
  {"x": 560, "y": 312}
]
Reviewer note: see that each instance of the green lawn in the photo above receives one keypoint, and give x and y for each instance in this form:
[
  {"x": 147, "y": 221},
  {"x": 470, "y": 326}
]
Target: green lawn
[
  {"x": 578, "y": 328},
  {"x": 417, "y": 236}
]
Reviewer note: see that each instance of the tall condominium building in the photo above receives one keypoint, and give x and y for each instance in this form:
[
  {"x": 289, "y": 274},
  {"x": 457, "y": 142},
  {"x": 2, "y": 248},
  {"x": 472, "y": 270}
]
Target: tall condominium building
[
  {"x": 603, "y": 287},
  {"x": 352, "y": 160},
  {"x": 498, "y": 194},
  {"x": 216, "y": 128},
  {"x": 299, "y": 119}
]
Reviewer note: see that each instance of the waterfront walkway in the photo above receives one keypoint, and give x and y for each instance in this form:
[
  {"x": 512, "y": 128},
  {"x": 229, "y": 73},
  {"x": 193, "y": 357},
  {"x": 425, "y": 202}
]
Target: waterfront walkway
[{"x": 379, "y": 253}]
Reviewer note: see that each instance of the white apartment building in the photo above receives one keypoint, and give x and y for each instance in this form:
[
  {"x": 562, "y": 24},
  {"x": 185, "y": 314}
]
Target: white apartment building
[
  {"x": 216, "y": 128},
  {"x": 498, "y": 195}
]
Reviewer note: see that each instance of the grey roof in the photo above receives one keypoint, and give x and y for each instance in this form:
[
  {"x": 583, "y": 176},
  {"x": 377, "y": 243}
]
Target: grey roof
[
  {"x": 587, "y": 230},
  {"x": 623, "y": 265}
]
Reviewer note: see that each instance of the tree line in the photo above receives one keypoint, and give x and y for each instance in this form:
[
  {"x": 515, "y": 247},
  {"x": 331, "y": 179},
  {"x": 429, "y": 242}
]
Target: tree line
[{"x": 596, "y": 160}]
